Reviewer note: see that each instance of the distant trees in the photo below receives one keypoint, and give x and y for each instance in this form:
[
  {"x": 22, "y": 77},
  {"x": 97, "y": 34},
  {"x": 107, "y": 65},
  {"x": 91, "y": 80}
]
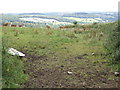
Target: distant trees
[
  {"x": 75, "y": 22},
  {"x": 95, "y": 23}
]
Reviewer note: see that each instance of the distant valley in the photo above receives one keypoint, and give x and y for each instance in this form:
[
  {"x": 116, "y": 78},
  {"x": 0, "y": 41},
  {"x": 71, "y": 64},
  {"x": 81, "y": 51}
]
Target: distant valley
[{"x": 57, "y": 19}]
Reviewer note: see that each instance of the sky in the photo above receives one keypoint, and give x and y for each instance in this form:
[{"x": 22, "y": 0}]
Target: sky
[{"x": 42, "y": 6}]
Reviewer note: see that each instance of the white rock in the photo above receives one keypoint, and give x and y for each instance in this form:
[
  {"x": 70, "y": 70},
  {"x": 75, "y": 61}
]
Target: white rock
[
  {"x": 13, "y": 51},
  {"x": 93, "y": 53},
  {"x": 116, "y": 73},
  {"x": 69, "y": 72}
]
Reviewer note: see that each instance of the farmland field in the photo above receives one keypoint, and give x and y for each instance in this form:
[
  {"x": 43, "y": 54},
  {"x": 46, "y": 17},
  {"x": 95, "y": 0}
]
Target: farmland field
[
  {"x": 42, "y": 20},
  {"x": 86, "y": 20},
  {"x": 55, "y": 58}
]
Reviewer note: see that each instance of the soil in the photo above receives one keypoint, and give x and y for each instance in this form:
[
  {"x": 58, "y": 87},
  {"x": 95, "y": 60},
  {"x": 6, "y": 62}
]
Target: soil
[{"x": 41, "y": 75}]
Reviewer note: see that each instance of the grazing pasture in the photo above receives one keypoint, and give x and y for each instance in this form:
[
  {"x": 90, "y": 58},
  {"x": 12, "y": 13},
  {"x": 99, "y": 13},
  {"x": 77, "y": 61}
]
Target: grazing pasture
[{"x": 54, "y": 58}]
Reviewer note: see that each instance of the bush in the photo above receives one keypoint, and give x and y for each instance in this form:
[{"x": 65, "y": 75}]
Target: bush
[
  {"x": 12, "y": 71},
  {"x": 75, "y": 22},
  {"x": 113, "y": 45}
]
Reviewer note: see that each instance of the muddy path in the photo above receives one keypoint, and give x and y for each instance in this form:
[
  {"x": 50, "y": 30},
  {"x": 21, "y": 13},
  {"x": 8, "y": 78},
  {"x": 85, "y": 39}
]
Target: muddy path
[{"x": 51, "y": 72}]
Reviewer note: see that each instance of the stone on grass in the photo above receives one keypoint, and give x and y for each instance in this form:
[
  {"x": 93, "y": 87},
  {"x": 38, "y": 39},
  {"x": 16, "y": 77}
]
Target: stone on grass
[
  {"x": 116, "y": 73},
  {"x": 69, "y": 73},
  {"x": 93, "y": 53},
  {"x": 14, "y": 52}
]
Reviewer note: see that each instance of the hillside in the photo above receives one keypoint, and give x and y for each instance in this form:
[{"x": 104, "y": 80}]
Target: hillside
[{"x": 58, "y": 58}]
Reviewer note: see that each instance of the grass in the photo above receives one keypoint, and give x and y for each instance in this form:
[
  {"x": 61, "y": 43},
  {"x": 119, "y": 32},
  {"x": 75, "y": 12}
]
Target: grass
[
  {"x": 12, "y": 71},
  {"x": 54, "y": 52}
]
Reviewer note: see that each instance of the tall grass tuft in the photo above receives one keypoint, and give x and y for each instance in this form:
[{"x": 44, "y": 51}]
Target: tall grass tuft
[
  {"x": 36, "y": 32},
  {"x": 71, "y": 35},
  {"x": 49, "y": 32},
  {"x": 16, "y": 33},
  {"x": 77, "y": 31}
]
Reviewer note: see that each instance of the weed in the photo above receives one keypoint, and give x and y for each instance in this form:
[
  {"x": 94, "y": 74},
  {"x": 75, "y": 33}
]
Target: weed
[
  {"x": 71, "y": 35},
  {"x": 16, "y": 33},
  {"x": 36, "y": 32},
  {"x": 49, "y": 32},
  {"x": 22, "y": 32},
  {"x": 77, "y": 31}
]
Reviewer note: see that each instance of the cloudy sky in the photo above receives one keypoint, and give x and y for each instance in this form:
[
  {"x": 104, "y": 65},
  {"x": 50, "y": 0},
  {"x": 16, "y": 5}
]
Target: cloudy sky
[{"x": 40, "y": 6}]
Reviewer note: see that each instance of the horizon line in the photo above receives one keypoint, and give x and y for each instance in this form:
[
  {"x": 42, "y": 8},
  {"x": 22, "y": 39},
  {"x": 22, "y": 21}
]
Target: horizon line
[{"x": 57, "y": 12}]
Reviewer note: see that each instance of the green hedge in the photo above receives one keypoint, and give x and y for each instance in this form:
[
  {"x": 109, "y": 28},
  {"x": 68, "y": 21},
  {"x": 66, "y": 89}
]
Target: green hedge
[{"x": 112, "y": 45}]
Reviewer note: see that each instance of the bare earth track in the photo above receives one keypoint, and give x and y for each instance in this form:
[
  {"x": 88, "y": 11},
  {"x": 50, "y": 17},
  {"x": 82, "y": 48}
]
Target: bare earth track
[{"x": 88, "y": 75}]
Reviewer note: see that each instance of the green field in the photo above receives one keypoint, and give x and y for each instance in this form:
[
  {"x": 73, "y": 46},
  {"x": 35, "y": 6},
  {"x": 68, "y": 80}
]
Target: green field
[
  {"x": 51, "y": 53},
  {"x": 85, "y": 20}
]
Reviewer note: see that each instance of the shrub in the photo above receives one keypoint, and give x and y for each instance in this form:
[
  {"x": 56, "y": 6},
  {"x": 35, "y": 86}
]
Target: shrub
[
  {"x": 75, "y": 22},
  {"x": 95, "y": 23},
  {"x": 113, "y": 45}
]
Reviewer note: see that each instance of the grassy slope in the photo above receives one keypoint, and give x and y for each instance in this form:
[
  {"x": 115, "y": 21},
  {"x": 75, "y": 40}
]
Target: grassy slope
[{"x": 50, "y": 54}]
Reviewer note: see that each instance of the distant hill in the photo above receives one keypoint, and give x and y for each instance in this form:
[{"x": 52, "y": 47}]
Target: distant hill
[
  {"x": 39, "y": 19},
  {"x": 31, "y": 14}
]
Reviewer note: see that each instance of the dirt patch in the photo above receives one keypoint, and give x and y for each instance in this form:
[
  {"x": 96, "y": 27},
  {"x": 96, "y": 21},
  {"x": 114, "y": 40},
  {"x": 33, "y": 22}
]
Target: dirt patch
[
  {"x": 41, "y": 75},
  {"x": 46, "y": 78},
  {"x": 81, "y": 56}
]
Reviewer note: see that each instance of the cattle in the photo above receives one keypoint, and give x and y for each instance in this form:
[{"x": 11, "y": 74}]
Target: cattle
[
  {"x": 48, "y": 27},
  {"x": 5, "y": 24},
  {"x": 13, "y": 25},
  {"x": 61, "y": 27},
  {"x": 20, "y": 25},
  {"x": 64, "y": 27}
]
